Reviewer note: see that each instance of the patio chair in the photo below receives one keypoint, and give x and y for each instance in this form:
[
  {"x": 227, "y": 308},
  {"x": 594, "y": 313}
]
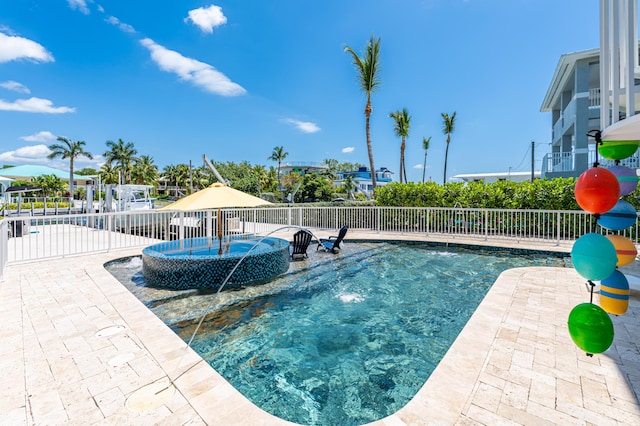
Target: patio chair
[
  {"x": 301, "y": 241},
  {"x": 332, "y": 243}
]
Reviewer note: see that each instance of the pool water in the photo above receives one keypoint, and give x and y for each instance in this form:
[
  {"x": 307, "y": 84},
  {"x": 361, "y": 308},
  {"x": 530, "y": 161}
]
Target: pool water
[{"x": 349, "y": 339}]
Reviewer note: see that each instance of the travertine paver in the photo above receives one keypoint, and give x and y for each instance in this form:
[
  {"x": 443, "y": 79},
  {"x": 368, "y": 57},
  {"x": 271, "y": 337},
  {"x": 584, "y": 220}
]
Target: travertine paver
[{"x": 514, "y": 363}]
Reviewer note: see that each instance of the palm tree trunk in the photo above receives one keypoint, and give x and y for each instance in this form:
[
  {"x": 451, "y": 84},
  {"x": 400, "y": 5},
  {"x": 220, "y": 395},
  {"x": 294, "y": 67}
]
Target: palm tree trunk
[
  {"x": 446, "y": 156},
  {"x": 424, "y": 167},
  {"x": 71, "y": 182},
  {"x": 367, "y": 113}
]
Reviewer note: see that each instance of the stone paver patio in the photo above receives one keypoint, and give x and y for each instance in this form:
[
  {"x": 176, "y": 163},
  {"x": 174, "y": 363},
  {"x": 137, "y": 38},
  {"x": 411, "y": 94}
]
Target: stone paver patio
[{"x": 76, "y": 345}]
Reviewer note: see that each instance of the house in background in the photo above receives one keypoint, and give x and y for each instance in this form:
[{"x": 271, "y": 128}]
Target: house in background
[
  {"x": 494, "y": 177},
  {"x": 574, "y": 98},
  {"x": 362, "y": 179}
]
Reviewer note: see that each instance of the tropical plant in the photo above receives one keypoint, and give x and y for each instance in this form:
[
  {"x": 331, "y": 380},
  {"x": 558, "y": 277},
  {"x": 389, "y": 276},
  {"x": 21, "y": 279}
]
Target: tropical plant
[
  {"x": 71, "y": 150},
  {"x": 50, "y": 185},
  {"x": 368, "y": 68},
  {"x": 349, "y": 185},
  {"x": 278, "y": 155},
  {"x": 121, "y": 155},
  {"x": 144, "y": 171},
  {"x": 109, "y": 174},
  {"x": 314, "y": 188},
  {"x": 332, "y": 167},
  {"x": 425, "y": 146},
  {"x": 401, "y": 125},
  {"x": 448, "y": 126}
]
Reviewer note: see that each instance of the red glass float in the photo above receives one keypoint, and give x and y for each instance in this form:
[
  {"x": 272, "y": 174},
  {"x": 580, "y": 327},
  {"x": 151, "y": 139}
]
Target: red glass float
[{"x": 597, "y": 190}]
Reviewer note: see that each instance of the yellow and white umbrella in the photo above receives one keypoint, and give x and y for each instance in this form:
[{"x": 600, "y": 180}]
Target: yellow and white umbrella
[{"x": 216, "y": 196}]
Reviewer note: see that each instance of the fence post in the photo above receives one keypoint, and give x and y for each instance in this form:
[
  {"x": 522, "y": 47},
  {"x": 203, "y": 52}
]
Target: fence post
[
  {"x": 486, "y": 225},
  {"x": 558, "y": 229}
]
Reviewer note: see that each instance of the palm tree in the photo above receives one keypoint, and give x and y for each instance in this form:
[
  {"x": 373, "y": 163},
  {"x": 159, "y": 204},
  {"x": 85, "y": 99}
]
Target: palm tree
[
  {"x": 402, "y": 122},
  {"x": 144, "y": 171},
  {"x": 278, "y": 155},
  {"x": 448, "y": 126},
  {"x": 123, "y": 155},
  {"x": 349, "y": 184},
  {"x": 368, "y": 69},
  {"x": 109, "y": 174},
  {"x": 71, "y": 150},
  {"x": 425, "y": 146}
]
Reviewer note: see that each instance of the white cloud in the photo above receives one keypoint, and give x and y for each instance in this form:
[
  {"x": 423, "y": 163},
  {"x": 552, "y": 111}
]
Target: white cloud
[
  {"x": 348, "y": 150},
  {"x": 303, "y": 126},
  {"x": 123, "y": 27},
  {"x": 207, "y": 18},
  {"x": 196, "y": 72},
  {"x": 15, "y": 47},
  {"x": 27, "y": 154},
  {"x": 37, "y": 154},
  {"x": 34, "y": 105},
  {"x": 15, "y": 86},
  {"x": 40, "y": 137},
  {"x": 418, "y": 166},
  {"x": 80, "y": 5}
]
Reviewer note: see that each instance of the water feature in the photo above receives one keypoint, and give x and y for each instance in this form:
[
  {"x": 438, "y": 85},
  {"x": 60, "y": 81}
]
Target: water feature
[
  {"x": 343, "y": 339},
  {"x": 205, "y": 263}
]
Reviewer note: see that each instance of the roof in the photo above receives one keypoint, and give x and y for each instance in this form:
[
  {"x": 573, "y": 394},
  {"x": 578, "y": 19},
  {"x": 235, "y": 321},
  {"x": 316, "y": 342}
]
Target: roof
[
  {"x": 27, "y": 171},
  {"x": 566, "y": 64}
]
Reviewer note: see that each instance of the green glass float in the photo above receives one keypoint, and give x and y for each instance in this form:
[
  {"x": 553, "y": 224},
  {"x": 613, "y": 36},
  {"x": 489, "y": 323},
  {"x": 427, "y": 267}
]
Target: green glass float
[
  {"x": 590, "y": 328},
  {"x": 618, "y": 150}
]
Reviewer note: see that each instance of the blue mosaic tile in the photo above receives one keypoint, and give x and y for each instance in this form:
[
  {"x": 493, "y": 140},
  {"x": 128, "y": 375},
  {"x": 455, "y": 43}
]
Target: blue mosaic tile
[{"x": 195, "y": 262}]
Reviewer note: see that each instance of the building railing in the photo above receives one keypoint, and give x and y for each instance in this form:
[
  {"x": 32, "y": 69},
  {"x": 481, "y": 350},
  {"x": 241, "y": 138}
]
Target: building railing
[
  {"x": 32, "y": 238},
  {"x": 565, "y": 161}
]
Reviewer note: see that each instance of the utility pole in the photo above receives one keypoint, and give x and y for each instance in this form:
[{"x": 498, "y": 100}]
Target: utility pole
[{"x": 533, "y": 156}]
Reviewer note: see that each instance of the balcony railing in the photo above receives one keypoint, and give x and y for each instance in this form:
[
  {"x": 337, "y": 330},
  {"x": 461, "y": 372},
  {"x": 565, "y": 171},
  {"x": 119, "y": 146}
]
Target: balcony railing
[{"x": 559, "y": 162}]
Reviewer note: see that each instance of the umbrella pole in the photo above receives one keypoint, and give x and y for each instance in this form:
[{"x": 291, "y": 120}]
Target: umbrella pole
[{"x": 219, "y": 232}]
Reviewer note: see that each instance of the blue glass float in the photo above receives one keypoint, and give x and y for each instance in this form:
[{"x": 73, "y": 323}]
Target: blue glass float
[
  {"x": 621, "y": 216},
  {"x": 594, "y": 256}
]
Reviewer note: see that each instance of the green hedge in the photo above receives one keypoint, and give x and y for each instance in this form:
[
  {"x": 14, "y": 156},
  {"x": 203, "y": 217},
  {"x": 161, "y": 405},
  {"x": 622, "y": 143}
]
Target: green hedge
[{"x": 541, "y": 194}]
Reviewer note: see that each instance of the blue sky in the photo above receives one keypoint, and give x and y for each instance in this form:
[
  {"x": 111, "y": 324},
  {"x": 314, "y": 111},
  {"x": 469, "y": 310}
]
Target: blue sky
[{"x": 234, "y": 79}]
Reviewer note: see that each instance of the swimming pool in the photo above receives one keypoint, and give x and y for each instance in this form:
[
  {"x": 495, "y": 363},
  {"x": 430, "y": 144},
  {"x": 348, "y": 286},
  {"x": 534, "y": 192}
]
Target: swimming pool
[{"x": 346, "y": 339}]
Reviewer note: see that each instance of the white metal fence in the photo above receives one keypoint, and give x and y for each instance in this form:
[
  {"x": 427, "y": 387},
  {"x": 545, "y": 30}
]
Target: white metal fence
[{"x": 30, "y": 238}]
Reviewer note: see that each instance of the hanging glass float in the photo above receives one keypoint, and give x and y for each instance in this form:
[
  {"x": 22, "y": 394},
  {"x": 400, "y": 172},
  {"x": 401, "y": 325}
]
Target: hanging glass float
[
  {"x": 621, "y": 216},
  {"x": 627, "y": 178},
  {"x": 590, "y": 328},
  {"x": 626, "y": 251},
  {"x": 614, "y": 294},
  {"x": 594, "y": 256},
  {"x": 597, "y": 190}
]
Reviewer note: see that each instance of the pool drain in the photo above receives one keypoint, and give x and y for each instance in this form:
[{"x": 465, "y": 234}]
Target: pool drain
[{"x": 151, "y": 396}]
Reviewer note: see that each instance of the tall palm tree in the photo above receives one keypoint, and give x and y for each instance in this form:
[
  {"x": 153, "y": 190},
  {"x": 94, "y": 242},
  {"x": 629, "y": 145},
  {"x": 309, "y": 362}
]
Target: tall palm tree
[
  {"x": 368, "y": 68},
  {"x": 71, "y": 150},
  {"x": 122, "y": 154},
  {"x": 278, "y": 155},
  {"x": 425, "y": 146},
  {"x": 402, "y": 122},
  {"x": 448, "y": 126}
]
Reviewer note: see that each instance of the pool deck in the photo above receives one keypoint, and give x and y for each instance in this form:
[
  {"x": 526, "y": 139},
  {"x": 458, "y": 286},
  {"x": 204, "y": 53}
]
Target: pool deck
[{"x": 77, "y": 346}]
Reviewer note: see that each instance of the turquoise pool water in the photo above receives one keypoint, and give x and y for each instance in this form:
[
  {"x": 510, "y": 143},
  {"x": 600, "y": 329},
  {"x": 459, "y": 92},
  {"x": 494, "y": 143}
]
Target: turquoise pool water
[{"x": 340, "y": 339}]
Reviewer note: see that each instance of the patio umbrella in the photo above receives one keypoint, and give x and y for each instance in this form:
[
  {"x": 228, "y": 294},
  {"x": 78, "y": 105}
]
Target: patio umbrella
[{"x": 216, "y": 196}]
